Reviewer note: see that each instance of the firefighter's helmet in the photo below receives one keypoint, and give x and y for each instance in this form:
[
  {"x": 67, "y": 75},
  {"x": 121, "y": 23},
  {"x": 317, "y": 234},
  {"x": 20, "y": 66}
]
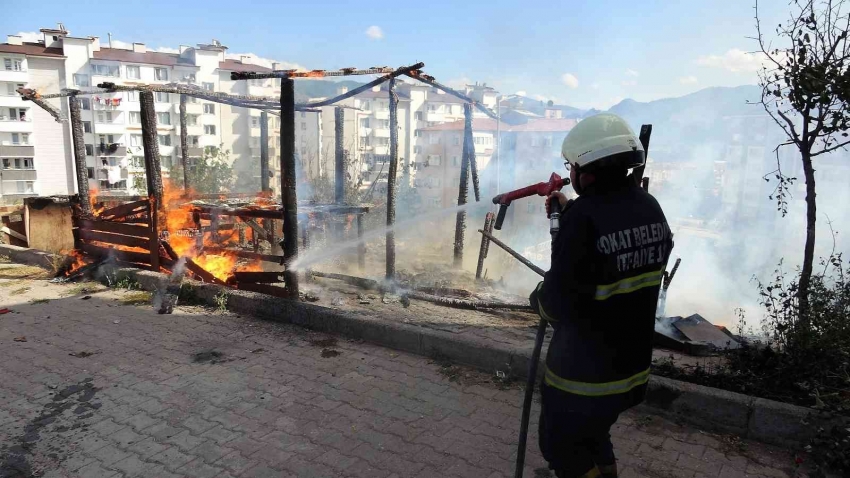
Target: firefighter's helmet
[{"x": 602, "y": 141}]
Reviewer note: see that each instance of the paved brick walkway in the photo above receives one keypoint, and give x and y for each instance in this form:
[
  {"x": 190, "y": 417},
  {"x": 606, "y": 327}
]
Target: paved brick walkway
[{"x": 272, "y": 400}]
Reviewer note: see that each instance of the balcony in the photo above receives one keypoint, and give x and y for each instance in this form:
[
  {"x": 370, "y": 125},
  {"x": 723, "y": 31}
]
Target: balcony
[
  {"x": 17, "y": 151},
  {"x": 382, "y": 133},
  {"x": 382, "y": 114},
  {"x": 8, "y": 125},
  {"x": 15, "y": 76},
  {"x": 19, "y": 175},
  {"x": 113, "y": 149},
  {"x": 196, "y": 152},
  {"x": 14, "y": 101},
  {"x": 114, "y": 127}
]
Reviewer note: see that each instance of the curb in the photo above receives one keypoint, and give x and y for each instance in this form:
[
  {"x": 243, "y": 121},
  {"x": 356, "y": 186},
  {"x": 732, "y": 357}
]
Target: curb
[{"x": 705, "y": 407}]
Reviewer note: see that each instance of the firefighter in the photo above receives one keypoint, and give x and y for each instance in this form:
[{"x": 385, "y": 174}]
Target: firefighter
[{"x": 600, "y": 296}]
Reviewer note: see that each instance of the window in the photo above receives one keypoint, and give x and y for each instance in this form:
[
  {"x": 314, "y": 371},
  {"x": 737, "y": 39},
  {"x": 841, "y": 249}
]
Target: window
[
  {"x": 417, "y": 133},
  {"x": 367, "y": 106},
  {"x": 11, "y": 89},
  {"x": 255, "y": 122},
  {"x": 91, "y": 172},
  {"x": 133, "y": 96},
  {"x": 165, "y": 162},
  {"x": 13, "y": 64},
  {"x": 417, "y": 116},
  {"x": 209, "y": 129},
  {"x": 208, "y": 86},
  {"x": 448, "y": 109},
  {"x": 303, "y": 126},
  {"x": 209, "y": 109},
  {"x": 160, "y": 74},
  {"x": 432, "y": 108},
  {"x": 14, "y": 114},
  {"x": 456, "y": 140},
  {"x": 137, "y": 162},
  {"x": 192, "y": 100},
  {"x": 455, "y": 161},
  {"x": 434, "y": 160},
  {"x": 161, "y": 97},
  {"x": 133, "y": 72},
  {"x": 81, "y": 80},
  {"x": 163, "y": 118},
  {"x": 364, "y": 122},
  {"x": 433, "y": 139},
  {"x": 105, "y": 184},
  {"x": 107, "y": 138},
  {"x": 89, "y": 150},
  {"x": 164, "y": 139},
  {"x": 25, "y": 187},
  {"x": 135, "y": 117},
  {"x": 105, "y": 70},
  {"x": 104, "y": 117},
  {"x": 87, "y": 126},
  {"x": 18, "y": 163},
  {"x": 136, "y": 140},
  {"x": 364, "y": 141},
  {"x": 85, "y": 103},
  {"x": 191, "y": 120},
  {"x": 382, "y": 141},
  {"x": 194, "y": 141}
]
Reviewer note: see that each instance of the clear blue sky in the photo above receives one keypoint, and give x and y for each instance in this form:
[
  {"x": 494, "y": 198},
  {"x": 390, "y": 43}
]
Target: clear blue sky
[{"x": 611, "y": 49}]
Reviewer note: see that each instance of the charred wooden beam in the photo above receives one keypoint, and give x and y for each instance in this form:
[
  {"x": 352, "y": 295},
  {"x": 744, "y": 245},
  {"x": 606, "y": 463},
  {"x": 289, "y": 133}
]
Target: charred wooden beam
[
  {"x": 153, "y": 171},
  {"x": 255, "y": 277},
  {"x": 207, "y": 212},
  {"x": 353, "y": 280},
  {"x": 80, "y": 155},
  {"x": 470, "y": 143},
  {"x": 366, "y": 87},
  {"x": 644, "y": 137},
  {"x": 169, "y": 250},
  {"x": 184, "y": 143},
  {"x": 113, "y": 227},
  {"x": 465, "y": 304},
  {"x": 512, "y": 252},
  {"x": 463, "y": 192},
  {"x": 201, "y": 273},
  {"x": 264, "y": 289},
  {"x": 153, "y": 212},
  {"x": 339, "y": 155},
  {"x": 142, "y": 242},
  {"x": 124, "y": 210},
  {"x": 251, "y": 75},
  {"x": 391, "y": 177},
  {"x": 668, "y": 277},
  {"x": 264, "y": 152},
  {"x": 259, "y": 232},
  {"x": 106, "y": 252},
  {"x": 28, "y": 94},
  {"x": 289, "y": 198},
  {"x": 489, "y": 222},
  {"x": 429, "y": 80},
  {"x": 244, "y": 254}
]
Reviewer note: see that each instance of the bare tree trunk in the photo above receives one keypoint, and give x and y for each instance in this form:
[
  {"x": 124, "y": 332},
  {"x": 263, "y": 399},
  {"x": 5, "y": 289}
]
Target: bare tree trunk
[
  {"x": 80, "y": 154},
  {"x": 153, "y": 173},
  {"x": 463, "y": 188},
  {"x": 339, "y": 156},
  {"x": 289, "y": 199},
  {"x": 391, "y": 177},
  {"x": 184, "y": 144},
  {"x": 264, "y": 152},
  {"x": 809, "y": 250}
]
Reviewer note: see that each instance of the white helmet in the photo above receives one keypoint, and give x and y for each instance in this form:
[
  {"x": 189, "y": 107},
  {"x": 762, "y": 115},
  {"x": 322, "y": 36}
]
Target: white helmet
[{"x": 602, "y": 141}]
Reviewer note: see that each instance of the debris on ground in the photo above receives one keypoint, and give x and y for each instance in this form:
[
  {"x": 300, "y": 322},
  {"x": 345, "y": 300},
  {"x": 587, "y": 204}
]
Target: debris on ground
[
  {"x": 20, "y": 339},
  {"x": 256, "y": 351},
  {"x": 209, "y": 356},
  {"x": 85, "y": 297},
  {"x": 339, "y": 301},
  {"x": 82, "y": 354},
  {"x": 324, "y": 343},
  {"x": 311, "y": 297},
  {"x": 5, "y": 311},
  {"x": 327, "y": 353}
]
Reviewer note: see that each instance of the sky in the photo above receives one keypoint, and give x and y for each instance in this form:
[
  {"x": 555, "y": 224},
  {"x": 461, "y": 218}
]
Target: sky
[{"x": 584, "y": 54}]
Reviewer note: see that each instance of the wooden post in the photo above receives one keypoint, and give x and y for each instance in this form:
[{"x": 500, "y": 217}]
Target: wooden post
[
  {"x": 463, "y": 189},
  {"x": 361, "y": 246},
  {"x": 153, "y": 173},
  {"x": 154, "y": 235},
  {"x": 80, "y": 154},
  {"x": 184, "y": 143},
  {"x": 391, "y": 180},
  {"x": 473, "y": 164},
  {"x": 264, "y": 152},
  {"x": 289, "y": 198},
  {"x": 339, "y": 156}
]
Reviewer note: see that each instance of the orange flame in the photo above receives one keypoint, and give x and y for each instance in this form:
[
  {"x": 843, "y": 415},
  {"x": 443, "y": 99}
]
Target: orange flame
[
  {"x": 80, "y": 260},
  {"x": 96, "y": 210}
]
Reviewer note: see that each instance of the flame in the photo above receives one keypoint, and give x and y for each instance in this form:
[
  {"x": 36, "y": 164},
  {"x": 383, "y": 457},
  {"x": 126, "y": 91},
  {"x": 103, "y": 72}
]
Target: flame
[
  {"x": 80, "y": 260},
  {"x": 96, "y": 210}
]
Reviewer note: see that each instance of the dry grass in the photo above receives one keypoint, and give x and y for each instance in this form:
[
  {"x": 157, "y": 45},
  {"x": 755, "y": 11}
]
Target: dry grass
[
  {"x": 23, "y": 272},
  {"x": 19, "y": 291},
  {"x": 136, "y": 298},
  {"x": 12, "y": 283},
  {"x": 39, "y": 301},
  {"x": 5, "y": 259},
  {"x": 84, "y": 288}
]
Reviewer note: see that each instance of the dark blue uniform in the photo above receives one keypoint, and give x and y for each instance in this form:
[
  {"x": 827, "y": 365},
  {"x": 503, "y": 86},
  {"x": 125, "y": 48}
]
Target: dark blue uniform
[{"x": 600, "y": 295}]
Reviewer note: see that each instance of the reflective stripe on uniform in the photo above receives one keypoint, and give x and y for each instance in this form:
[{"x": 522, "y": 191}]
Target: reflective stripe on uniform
[
  {"x": 596, "y": 389},
  {"x": 629, "y": 284},
  {"x": 543, "y": 313}
]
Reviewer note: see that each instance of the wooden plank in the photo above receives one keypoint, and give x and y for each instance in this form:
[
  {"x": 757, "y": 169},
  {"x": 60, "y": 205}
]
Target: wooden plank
[
  {"x": 261, "y": 233},
  {"x": 125, "y": 210},
  {"x": 154, "y": 234},
  {"x": 103, "y": 252},
  {"x": 207, "y": 212},
  {"x": 110, "y": 238},
  {"x": 12, "y": 233},
  {"x": 201, "y": 273},
  {"x": 264, "y": 289},
  {"x": 255, "y": 277},
  {"x": 114, "y": 227},
  {"x": 244, "y": 254}
]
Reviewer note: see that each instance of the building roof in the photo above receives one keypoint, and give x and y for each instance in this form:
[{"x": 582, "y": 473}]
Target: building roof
[
  {"x": 382, "y": 94},
  {"x": 237, "y": 65},
  {"x": 478, "y": 124},
  {"x": 32, "y": 49},
  {"x": 546, "y": 125},
  {"x": 541, "y": 125},
  {"x": 148, "y": 58}
]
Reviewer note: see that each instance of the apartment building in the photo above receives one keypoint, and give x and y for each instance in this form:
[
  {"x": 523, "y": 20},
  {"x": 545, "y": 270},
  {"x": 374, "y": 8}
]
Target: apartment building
[{"x": 33, "y": 157}]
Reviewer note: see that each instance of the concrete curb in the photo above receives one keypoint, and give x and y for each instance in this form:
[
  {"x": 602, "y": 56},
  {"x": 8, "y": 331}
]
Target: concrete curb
[{"x": 705, "y": 407}]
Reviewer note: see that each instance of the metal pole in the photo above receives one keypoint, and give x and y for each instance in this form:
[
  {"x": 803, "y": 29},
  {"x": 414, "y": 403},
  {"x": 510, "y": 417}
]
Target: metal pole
[
  {"x": 264, "y": 152},
  {"x": 391, "y": 180},
  {"x": 153, "y": 173},
  {"x": 463, "y": 191},
  {"x": 184, "y": 143},
  {"x": 289, "y": 198},
  {"x": 80, "y": 155},
  {"x": 339, "y": 156}
]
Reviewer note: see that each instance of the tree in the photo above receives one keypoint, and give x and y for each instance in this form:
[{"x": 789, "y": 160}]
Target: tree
[
  {"x": 209, "y": 174},
  {"x": 806, "y": 90}
]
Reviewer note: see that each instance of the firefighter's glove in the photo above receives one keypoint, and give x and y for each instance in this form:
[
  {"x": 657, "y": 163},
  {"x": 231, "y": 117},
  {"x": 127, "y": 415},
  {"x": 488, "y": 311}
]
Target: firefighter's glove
[{"x": 534, "y": 299}]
